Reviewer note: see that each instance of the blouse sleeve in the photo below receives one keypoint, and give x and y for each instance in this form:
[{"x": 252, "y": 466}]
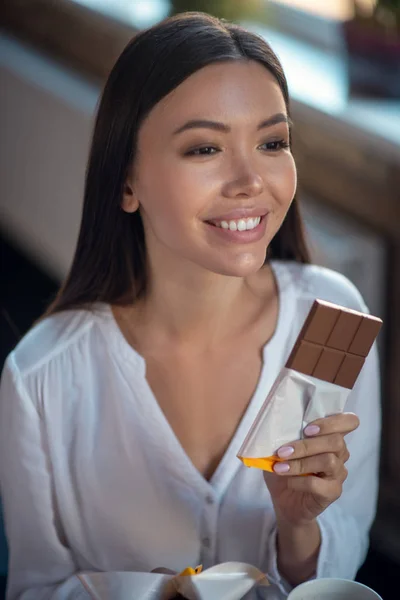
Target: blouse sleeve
[
  {"x": 345, "y": 524},
  {"x": 40, "y": 565}
]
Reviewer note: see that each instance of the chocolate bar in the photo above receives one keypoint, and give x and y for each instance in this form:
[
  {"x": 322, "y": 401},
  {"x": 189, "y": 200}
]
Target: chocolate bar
[
  {"x": 315, "y": 382},
  {"x": 333, "y": 343}
]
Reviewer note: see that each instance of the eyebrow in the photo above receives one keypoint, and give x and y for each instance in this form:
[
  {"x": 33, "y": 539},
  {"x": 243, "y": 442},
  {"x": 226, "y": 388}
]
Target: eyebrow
[{"x": 222, "y": 127}]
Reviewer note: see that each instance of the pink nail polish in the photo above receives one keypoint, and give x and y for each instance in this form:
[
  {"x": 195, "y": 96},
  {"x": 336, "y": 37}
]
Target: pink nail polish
[
  {"x": 281, "y": 467},
  {"x": 285, "y": 451},
  {"x": 312, "y": 430}
]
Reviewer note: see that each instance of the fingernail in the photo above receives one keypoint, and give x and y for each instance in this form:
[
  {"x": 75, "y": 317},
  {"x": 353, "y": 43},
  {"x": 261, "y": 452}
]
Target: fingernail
[
  {"x": 312, "y": 430},
  {"x": 281, "y": 467},
  {"x": 285, "y": 451}
]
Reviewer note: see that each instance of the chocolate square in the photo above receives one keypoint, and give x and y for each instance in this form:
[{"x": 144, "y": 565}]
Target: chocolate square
[{"x": 333, "y": 343}]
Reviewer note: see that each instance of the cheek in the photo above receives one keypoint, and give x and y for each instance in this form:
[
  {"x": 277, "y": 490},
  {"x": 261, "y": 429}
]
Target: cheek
[
  {"x": 293, "y": 175},
  {"x": 285, "y": 181},
  {"x": 283, "y": 187},
  {"x": 166, "y": 201},
  {"x": 173, "y": 191}
]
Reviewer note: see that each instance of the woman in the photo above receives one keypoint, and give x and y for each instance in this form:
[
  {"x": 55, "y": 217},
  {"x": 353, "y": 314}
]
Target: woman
[{"x": 123, "y": 409}]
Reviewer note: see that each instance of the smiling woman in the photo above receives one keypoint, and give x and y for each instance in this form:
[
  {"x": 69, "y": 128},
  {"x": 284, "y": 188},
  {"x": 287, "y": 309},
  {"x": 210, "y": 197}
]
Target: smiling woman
[
  {"x": 129, "y": 139},
  {"x": 123, "y": 409}
]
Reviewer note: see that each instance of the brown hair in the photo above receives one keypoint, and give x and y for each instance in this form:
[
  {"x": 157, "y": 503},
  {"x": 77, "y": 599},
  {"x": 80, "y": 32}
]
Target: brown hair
[{"x": 109, "y": 264}]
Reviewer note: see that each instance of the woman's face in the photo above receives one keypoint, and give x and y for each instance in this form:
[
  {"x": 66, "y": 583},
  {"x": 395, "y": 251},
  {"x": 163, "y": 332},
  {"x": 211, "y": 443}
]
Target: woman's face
[{"x": 213, "y": 175}]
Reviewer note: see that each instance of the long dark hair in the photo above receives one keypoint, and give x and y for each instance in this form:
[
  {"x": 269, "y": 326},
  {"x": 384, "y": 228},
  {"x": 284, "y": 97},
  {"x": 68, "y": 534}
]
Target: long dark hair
[{"x": 110, "y": 258}]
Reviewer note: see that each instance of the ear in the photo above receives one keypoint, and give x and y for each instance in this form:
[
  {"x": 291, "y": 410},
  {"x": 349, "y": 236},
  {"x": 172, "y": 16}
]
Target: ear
[{"x": 130, "y": 203}]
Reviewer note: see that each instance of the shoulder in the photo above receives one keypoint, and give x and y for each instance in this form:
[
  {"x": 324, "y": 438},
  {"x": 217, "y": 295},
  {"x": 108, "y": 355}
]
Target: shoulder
[
  {"x": 313, "y": 281},
  {"x": 53, "y": 336}
]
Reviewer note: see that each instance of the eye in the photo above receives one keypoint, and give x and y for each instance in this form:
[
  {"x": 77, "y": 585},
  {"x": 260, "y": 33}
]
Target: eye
[
  {"x": 203, "y": 151},
  {"x": 275, "y": 146}
]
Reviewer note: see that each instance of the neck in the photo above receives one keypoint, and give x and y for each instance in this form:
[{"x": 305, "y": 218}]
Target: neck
[
  {"x": 199, "y": 306},
  {"x": 192, "y": 307}
]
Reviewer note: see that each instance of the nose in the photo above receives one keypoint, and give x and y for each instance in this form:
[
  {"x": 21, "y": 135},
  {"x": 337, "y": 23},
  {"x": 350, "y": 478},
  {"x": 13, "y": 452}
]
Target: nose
[{"x": 246, "y": 184}]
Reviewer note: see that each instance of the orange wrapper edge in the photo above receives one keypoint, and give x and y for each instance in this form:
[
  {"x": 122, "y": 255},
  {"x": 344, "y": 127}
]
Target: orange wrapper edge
[{"x": 266, "y": 463}]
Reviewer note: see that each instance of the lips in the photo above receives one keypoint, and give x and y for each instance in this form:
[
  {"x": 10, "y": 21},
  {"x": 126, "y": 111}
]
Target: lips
[
  {"x": 230, "y": 233},
  {"x": 238, "y": 214}
]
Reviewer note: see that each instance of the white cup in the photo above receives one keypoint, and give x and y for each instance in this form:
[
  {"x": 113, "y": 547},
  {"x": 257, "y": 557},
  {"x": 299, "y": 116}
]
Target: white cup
[{"x": 333, "y": 589}]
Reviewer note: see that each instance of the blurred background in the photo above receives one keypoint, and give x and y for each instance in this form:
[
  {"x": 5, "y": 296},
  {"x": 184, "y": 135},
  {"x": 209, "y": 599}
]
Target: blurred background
[{"x": 342, "y": 61}]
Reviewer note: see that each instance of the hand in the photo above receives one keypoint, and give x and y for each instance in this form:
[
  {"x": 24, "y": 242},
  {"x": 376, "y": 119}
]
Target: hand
[{"x": 321, "y": 456}]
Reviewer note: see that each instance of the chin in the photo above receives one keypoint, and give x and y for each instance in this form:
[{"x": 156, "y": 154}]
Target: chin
[{"x": 242, "y": 266}]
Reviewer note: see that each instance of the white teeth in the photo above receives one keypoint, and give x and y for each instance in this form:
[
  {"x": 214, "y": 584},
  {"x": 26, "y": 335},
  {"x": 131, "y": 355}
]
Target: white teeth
[
  {"x": 240, "y": 224},
  {"x": 251, "y": 223}
]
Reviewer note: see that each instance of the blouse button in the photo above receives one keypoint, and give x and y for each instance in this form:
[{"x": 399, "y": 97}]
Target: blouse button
[
  {"x": 206, "y": 542},
  {"x": 209, "y": 500}
]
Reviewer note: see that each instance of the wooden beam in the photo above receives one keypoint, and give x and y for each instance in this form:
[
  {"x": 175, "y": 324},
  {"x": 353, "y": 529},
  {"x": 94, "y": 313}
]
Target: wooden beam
[
  {"x": 79, "y": 37},
  {"x": 349, "y": 175}
]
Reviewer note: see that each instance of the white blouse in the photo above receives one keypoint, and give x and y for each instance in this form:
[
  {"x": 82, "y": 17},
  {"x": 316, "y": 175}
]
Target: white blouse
[{"x": 94, "y": 479}]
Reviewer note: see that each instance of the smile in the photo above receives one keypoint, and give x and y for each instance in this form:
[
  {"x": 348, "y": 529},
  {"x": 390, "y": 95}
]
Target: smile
[
  {"x": 240, "y": 231},
  {"x": 238, "y": 224}
]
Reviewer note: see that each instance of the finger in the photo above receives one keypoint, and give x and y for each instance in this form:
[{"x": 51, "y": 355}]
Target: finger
[
  {"x": 326, "y": 465},
  {"x": 324, "y": 491},
  {"x": 333, "y": 442},
  {"x": 341, "y": 423}
]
